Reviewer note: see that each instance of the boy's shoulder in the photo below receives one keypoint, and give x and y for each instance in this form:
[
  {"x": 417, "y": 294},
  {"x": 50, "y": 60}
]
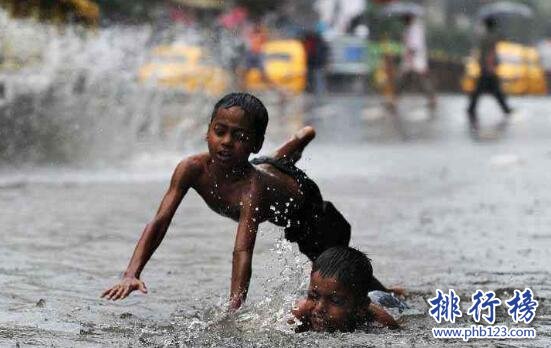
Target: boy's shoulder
[
  {"x": 198, "y": 160},
  {"x": 192, "y": 166}
]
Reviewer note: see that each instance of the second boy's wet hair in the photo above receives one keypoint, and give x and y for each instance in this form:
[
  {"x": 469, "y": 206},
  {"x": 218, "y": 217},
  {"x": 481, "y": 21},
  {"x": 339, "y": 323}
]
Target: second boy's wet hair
[
  {"x": 349, "y": 266},
  {"x": 251, "y": 105}
]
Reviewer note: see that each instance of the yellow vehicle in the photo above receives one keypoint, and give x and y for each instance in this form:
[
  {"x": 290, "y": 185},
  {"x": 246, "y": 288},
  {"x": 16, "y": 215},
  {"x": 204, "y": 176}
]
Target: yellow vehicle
[
  {"x": 285, "y": 67},
  {"x": 519, "y": 70},
  {"x": 183, "y": 67},
  {"x": 535, "y": 74}
]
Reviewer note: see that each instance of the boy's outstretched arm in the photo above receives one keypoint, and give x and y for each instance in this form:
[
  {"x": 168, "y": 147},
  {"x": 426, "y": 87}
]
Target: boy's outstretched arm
[
  {"x": 243, "y": 250},
  {"x": 381, "y": 316},
  {"x": 292, "y": 149},
  {"x": 184, "y": 175}
]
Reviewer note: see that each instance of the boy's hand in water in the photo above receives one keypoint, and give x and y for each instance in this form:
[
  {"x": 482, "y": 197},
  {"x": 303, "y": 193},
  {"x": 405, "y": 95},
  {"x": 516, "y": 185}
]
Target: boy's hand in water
[
  {"x": 301, "y": 310},
  {"x": 235, "y": 304},
  {"x": 124, "y": 288},
  {"x": 398, "y": 291}
]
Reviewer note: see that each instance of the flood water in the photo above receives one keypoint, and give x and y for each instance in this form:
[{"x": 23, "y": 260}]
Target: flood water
[
  {"x": 437, "y": 210},
  {"x": 87, "y": 155}
]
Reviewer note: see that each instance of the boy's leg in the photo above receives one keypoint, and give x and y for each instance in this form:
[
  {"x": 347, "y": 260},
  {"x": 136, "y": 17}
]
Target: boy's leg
[{"x": 292, "y": 149}]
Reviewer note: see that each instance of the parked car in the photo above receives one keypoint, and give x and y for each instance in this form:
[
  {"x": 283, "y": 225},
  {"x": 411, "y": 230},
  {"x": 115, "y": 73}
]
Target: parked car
[
  {"x": 284, "y": 64},
  {"x": 519, "y": 70},
  {"x": 185, "y": 68},
  {"x": 544, "y": 51},
  {"x": 537, "y": 82}
]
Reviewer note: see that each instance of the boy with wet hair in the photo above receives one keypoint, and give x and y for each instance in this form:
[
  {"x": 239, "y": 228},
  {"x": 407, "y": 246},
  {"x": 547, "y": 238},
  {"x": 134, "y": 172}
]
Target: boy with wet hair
[
  {"x": 265, "y": 189},
  {"x": 337, "y": 297}
]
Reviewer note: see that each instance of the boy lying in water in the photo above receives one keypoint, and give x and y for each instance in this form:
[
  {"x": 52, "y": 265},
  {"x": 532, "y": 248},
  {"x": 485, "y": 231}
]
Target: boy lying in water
[
  {"x": 265, "y": 189},
  {"x": 338, "y": 294}
]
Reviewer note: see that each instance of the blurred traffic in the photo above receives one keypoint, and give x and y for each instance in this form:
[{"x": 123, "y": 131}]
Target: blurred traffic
[
  {"x": 520, "y": 70},
  {"x": 337, "y": 46},
  {"x": 101, "y": 99},
  {"x": 158, "y": 62}
]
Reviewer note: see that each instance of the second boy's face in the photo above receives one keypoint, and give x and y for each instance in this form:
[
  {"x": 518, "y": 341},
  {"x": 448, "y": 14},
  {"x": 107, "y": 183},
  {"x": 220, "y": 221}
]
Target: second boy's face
[
  {"x": 230, "y": 137},
  {"x": 331, "y": 306}
]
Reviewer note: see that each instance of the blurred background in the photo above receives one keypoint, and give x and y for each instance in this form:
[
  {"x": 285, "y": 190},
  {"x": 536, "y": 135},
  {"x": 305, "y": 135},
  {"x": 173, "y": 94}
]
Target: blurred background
[
  {"x": 99, "y": 100},
  {"x": 81, "y": 78}
]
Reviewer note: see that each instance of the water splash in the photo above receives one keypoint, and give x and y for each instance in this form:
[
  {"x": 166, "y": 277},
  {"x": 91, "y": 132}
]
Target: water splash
[
  {"x": 261, "y": 321},
  {"x": 73, "y": 94}
]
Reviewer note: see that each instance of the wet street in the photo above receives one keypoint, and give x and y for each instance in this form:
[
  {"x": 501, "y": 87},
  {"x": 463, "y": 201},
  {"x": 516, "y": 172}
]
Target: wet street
[{"x": 433, "y": 208}]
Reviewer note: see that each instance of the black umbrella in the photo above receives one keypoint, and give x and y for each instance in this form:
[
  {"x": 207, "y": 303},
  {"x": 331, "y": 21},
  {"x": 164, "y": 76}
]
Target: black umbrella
[
  {"x": 402, "y": 9},
  {"x": 505, "y": 8}
]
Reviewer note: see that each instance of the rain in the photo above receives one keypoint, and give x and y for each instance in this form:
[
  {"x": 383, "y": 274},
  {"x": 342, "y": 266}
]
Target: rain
[{"x": 432, "y": 125}]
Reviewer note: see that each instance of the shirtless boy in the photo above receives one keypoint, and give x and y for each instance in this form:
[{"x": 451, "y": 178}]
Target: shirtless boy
[{"x": 246, "y": 192}]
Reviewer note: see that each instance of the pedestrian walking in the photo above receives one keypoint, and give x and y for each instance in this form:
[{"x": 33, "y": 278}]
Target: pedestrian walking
[
  {"x": 488, "y": 81},
  {"x": 317, "y": 52},
  {"x": 414, "y": 65}
]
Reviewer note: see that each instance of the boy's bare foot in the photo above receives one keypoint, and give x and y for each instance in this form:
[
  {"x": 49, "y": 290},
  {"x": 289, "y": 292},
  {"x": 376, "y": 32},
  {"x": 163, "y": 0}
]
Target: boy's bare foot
[
  {"x": 292, "y": 149},
  {"x": 307, "y": 132}
]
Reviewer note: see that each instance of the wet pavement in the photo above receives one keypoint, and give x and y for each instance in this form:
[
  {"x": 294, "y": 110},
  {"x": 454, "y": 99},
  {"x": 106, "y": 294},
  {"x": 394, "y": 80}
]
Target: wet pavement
[{"x": 433, "y": 208}]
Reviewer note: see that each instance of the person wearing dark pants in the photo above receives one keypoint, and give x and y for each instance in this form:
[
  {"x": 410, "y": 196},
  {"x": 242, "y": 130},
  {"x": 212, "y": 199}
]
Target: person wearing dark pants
[
  {"x": 421, "y": 79},
  {"x": 488, "y": 81}
]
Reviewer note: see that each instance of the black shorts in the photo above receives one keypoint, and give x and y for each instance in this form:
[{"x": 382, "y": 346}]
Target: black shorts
[{"x": 316, "y": 225}]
